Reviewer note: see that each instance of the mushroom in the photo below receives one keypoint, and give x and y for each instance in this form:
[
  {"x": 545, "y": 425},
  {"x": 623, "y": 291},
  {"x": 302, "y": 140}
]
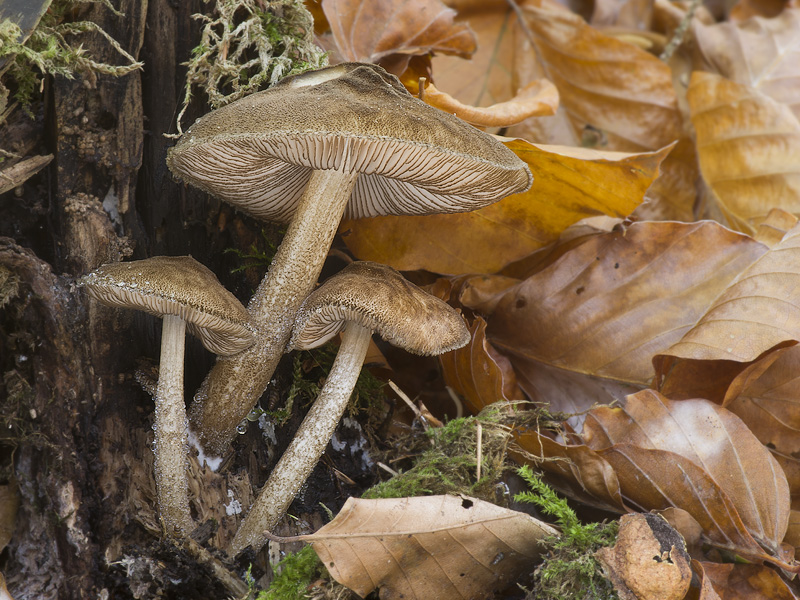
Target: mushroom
[
  {"x": 347, "y": 139},
  {"x": 363, "y": 298},
  {"x": 186, "y": 295}
]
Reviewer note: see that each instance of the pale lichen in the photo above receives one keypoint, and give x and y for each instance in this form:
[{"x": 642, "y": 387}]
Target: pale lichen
[{"x": 247, "y": 44}]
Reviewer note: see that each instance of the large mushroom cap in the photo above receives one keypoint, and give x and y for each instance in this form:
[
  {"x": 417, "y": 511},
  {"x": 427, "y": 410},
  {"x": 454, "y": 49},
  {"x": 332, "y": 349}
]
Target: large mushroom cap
[
  {"x": 257, "y": 153},
  {"x": 382, "y": 300},
  {"x": 176, "y": 285}
]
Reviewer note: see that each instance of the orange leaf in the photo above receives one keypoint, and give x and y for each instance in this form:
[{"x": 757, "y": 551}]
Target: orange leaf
[{"x": 569, "y": 184}]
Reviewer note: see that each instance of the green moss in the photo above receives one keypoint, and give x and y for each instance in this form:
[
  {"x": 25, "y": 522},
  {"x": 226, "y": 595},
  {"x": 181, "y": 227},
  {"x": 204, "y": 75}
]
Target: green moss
[
  {"x": 570, "y": 571},
  {"x": 47, "y": 51},
  {"x": 446, "y": 460},
  {"x": 295, "y": 573},
  {"x": 248, "y": 44}
]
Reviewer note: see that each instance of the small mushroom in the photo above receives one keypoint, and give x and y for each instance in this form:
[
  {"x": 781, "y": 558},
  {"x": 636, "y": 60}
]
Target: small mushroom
[
  {"x": 349, "y": 140},
  {"x": 186, "y": 295},
  {"x": 365, "y": 297}
]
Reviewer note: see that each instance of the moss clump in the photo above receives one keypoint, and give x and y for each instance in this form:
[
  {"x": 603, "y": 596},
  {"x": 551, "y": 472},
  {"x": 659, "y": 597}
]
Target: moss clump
[
  {"x": 296, "y": 572},
  {"x": 446, "y": 460},
  {"x": 246, "y": 44},
  {"x": 47, "y": 51},
  {"x": 309, "y": 370},
  {"x": 570, "y": 571}
]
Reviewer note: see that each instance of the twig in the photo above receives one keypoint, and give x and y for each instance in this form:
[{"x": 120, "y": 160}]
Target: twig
[
  {"x": 680, "y": 31},
  {"x": 479, "y": 451}
]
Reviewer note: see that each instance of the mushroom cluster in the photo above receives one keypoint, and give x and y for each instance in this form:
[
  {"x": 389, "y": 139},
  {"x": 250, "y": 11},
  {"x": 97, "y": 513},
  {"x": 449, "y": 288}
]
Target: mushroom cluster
[
  {"x": 348, "y": 140},
  {"x": 345, "y": 140}
]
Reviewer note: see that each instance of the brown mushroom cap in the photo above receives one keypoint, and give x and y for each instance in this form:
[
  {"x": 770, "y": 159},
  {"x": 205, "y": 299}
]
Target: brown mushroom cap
[
  {"x": 380, "y": 299},
  {"x": 176, "y": 285},
  {"x": 257, "y": 153}
]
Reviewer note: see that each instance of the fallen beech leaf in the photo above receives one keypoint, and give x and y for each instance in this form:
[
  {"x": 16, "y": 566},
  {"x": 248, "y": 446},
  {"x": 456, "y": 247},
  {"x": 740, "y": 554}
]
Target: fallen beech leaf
[
  {"x": 763, "y": 54},
  {"x": 756, "y": 313},
  {"x": 606, "y": 83},
  {"x": 478, "y": 373},
  {"x": 793, "y": 532},
  {"x": 374, "y": 30},
  {"x": 569, "y": 184},
  {"x": 707, "y": 436},
  {"x": 4, "y": 593},
  {"x": 746, "y": 9},
  {"x": 607, "y": 306},
  {"x": 537, "y": 99},
  {"x": 565, "y": 391},
  {"x": 649, "y": 560},
  {"x": 774, "y": 227},
  {"x": 658, "y": 479},
  {"x": 766, "y": 397},
  {"x": 575, "y": 470},
  {"x": 744, "y": 582},
  {"x": 747, "y": 146},
  {"x": 448, "y": 547}
]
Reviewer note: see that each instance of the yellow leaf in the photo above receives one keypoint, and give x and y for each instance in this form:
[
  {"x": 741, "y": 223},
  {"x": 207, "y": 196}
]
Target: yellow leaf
[{"x": 569, "y": 184}]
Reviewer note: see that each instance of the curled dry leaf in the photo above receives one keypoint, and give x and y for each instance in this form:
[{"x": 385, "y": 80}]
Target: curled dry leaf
[
  {"x": 448, "y": 547},
  {"x": 569, "y": 184},
  {"x": 537, "y": 99},
  {"x": 763, "y": 54},
  {"x": 389, "y": 32},
  {"x": 695, "y": 455},
  {"x": 747, "y": 146},
  {"x": 649, "y": 560},
  {"x": 756, "y": 313},
  {"x": 575, "y": 470},
  {"x": 605, "y": 307},
  {"x": 478, "y": 373}
]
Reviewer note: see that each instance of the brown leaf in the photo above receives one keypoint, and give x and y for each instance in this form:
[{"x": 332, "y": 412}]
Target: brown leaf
[
  {"x": 611, "y": 85},
  {"x": 606, "y": 307},
  {"x": 763, "y": 54},
  {"x": 774, "y": 227},
  {"x": 447, "y": 547},
  {"x": 649, "y": 560},
  {"x": 537, "y": 99},
  {"x": 744, "y": 582},
  {"x": 747, "y": 146},
  {"x": 478, "y": 373},
  {"x": 375, "y": 30},
  {"x": 569, "y": 184},
  {"x": 695, "y": 433},
  {"x": 575, "y": 470},
  {"x": 756, "y": 313}
]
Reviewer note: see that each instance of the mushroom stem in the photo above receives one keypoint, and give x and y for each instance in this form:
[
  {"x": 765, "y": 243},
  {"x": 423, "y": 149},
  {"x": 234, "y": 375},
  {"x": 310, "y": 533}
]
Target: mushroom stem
[
  {"x": 309, "y": 443},
  {"x": 236, "y": 383},
  {"x": 171, "y": 439}
]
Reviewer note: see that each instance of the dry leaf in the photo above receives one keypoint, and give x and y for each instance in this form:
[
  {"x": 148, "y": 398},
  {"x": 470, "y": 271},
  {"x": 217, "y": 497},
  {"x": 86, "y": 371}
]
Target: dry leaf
[
  {"x": 575, "y": 470},
  {"x": 445, "y": 547},
  {"x": 697, "y": 456},
  {"x": 569, "y": 184},
  {"x": 774, "y": 227},
  {"x": 611, "y": 85},
  {"x": 756, "y": 313},
  {"x": 747, "y": 146},
  {"x": 649, "y": 560},
  {"x": 377, "y": 30},
  {"x": 606, "y": 307},
  {"x": 743, "y": 582},
  {"x": 478, "y": 373},
  {"x": 537, "y": 99},
  {"x": 763, "y": 54}
]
